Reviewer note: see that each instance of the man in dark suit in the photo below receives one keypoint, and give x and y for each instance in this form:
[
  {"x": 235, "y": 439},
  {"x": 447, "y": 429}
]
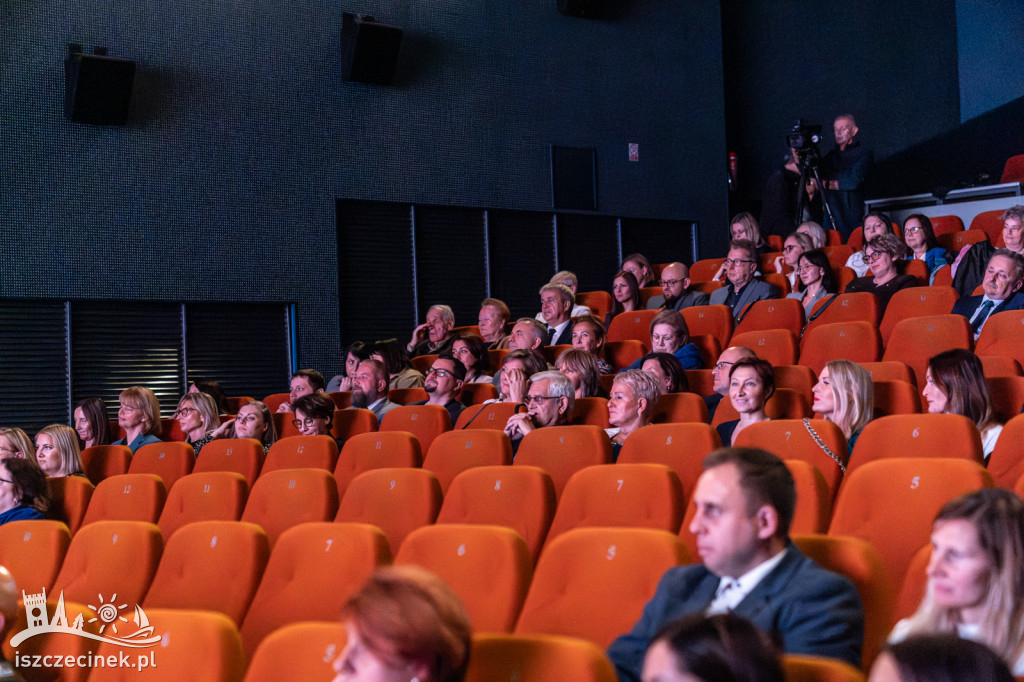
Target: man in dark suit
[
  {"x": 1002, "y": 283},
  {"x": 742, "y": 289},
  {"x": 745, "y": 501},
  {"x": 556, "y": 302},
  {"x": 675, "y": 282}
]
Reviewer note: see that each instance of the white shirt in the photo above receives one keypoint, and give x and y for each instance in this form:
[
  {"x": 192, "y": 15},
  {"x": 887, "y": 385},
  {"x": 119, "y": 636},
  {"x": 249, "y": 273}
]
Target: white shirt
[
  {"x": 577, "y": 311},
  {"x": 731, "y": 591}
]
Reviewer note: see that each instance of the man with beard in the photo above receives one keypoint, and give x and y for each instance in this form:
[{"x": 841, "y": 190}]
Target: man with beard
[
  {"x": 370, "y": 388},
  {"x": 443, "y": 384},
  {"x": 675, "y": 282}
]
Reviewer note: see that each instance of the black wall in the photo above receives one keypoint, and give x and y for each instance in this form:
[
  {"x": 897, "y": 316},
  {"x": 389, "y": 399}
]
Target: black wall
[{"x": 242, "y": 137}]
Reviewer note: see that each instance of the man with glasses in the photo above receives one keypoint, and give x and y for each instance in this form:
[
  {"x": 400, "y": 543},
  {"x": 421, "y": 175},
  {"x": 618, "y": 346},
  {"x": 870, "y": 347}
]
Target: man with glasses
[
  {"x": 549, "y": 400},
  {"x": 742, "y": 289},
  {"x": 720, "y": 373},
  {"x": 675, "y": 283},
  {"x": 370, "y": 388},
  {"x": 443, "y": 384}
]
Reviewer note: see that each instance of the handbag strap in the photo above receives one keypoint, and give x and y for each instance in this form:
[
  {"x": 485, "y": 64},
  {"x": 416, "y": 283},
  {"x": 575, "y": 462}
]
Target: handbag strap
[
  {"x": 821, "y": 444},
  {"x": 831, "y": 299}
]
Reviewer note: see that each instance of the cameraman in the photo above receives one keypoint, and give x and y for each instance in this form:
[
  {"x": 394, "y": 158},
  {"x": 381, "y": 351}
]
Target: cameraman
[
  {"x": 843, "y": 170},
  {"x": 781, "y": 198}
]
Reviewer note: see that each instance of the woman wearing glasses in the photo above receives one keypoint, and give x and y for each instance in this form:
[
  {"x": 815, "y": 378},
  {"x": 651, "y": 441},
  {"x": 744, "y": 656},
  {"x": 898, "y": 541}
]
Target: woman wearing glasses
[
  {"x": 881, "y": 254},
  {"x": 817, "y": 281},
  {"x": 920, "y": 239},
  {"x": 197, "y": 415},
  {"x": 795, "y": 246},
  {"x": 139, "y": 416},
  {"x": 253, "y": 421},
  {"x": 313, "y": 415},
  {"x": 876, "y": 224}
]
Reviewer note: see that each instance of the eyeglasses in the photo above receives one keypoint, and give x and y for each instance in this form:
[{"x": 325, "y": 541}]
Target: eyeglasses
[
  {"x": 729, "y": 262},
  {"x": 307, "y": 422},
  {"x": 439, "y": 372},
  {"x": 914, "y": 228},
  {"x": 532, "y": 399},
  {"x": 128, "y": 408},
  {"x": 669, "y": 282},
  {"x": 871, "y": 258},
  {"x": 807, "y": 268},
  {"x": 723, "y": 365},
  {"x": 184, "y": 412}
]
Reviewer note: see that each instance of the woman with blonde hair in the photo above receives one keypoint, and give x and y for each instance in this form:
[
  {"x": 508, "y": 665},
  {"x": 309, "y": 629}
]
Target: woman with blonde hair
[
  {"x": 815, "y": 231},
  {"x": 404, "y": 624},
  {"x": 976, "y": 575},
  {"x": 630, "y": 405},
  {"x": 845, "y": 396},
  {"x": 139, "y": 416},
  {"x": 15, "y": 443},
  {"x": 744, "y": 226},
  {"x": 198, "y": 416},
  {"x": 254, "y": 420},
  {"x": 57, "y": 451},
  {"x": 581, "y": 368}
]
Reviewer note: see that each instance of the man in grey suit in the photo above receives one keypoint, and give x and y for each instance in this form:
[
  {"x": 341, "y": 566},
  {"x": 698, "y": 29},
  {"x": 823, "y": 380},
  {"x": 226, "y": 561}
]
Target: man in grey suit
[
  {"x": 675, "y": 282},
  {"x": 1002, "y": 284},
  {"x": 370, "y": 388},
  {"x": 745, "y": 501},
  {"x": 742, "y": 289}
]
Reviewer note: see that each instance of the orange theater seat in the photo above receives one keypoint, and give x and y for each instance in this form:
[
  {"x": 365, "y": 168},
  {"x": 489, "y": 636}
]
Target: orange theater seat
[
  {"x": 489, "y": 416},
  {"x": 790, "y": 439},
  {"x": 632, "y": 325},
  {"x": 679, "y": 446},
  {"x": 108, "y": 558},
  {"x": 169, "y": 461},
  {"x": 916, "y": 435},
  {"x": 69, "y": 499},
  {"x": 101, "y": 461},
  {"x": 395, "y": 500},
  {"x": 33, "y": 552},
  {"x": 289, "y": 497},
  {"x": 915, "y": 340},
  {"x": 1001, "y": 335},
  {"x": 206, "y": 496},
  {"x": 377, "y": 450},
  {"x": 302, "y": 452},
  {"x": 777, "y": 346},
  {"x": 300, "y": 651},
  {"x": 777, "y": 313},
  {"x": 563, "y": 450},
  {"x": 716, "y": 320},
  {"x": 127, "y": 497},
  {"x": 860, "y": 306},
  {"x": 426, "y": 422},
  {"x": 593, "y": 410},
  {"x": 896, "y": 397},
  {"x": 241, "y": 455},
  {"x": 674, "y": 408},
  {"x": 622, "y": 354},
  {"x": 1006, "y": 463},
  {"x": 916, "y": 302},
  {"x": 854, "y": 340},
  {"x": 537, "y": 658},
  {"x": 455, "y": 451}
]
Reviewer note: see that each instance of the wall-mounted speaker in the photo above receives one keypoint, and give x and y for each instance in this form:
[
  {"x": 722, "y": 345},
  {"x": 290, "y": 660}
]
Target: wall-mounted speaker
[
  {"x": 369, "y": 50},
  {"x": 97, "y": 87}
]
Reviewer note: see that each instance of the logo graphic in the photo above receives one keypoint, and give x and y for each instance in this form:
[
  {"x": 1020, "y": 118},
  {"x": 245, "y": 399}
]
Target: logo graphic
[{"x": 109, "y": 616}]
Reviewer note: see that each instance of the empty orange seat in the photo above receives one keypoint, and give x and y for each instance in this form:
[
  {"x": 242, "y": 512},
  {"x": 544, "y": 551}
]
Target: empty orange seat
[
  {"x": 289, "y": 497},
  {"x": 954, "y": 242},
  {"x": 855, "y": 340},
  {"x": 1001, "y": 335},
  {"x": 860, "y": 306},
  {"x": 599, "y": 302},
  {"x": 915, "y": 340},
  {"x": 1006, "y": 463},
  {"x": 351, "y": 421},
  {"x": 206, "y": 496},
  {"x": 776, "y": 313},
  {"x": 1000, "y": 366},
  {"x": 169, "y": 461},
  {"x": 33, "y": 552},
  {"x": 69, "y": 499},
  {"x": 679, "y": 446},
  {"x": 240, "y": 455},
  {"x": 537, "y": 658},
  {"x": 376, "y": 450},
  {"x": 632, "y": 325},
  {"x": 563, "y": 450},
  {"x": 127, "y": 497},
  {"x": 622, "y": 354},
  {"x": 777, "y": 346},
  {"x": 404, "y": 396},
  {"x": 1013, "y": 171},
  {"x": 101, "y": 461},
  {"x": 593, "y": 410},
  {"x": 896, "y": 397},
  {"x": 991, "y": 223},
  {"x": 108, "y": 558},
  {"x": 426, "y": 422},
  {"x": 275, "y": 400},
  {"x": 456, "y": 451},
  {"x": 890, "y": 370},
  {"x": 916, "y": 435},
  {"x": 679, "y": 407},
  {"x": 300, "y": 651},
  {"x": 302, "y": 452},
  {"x": 395, "y": 500},
  {"x": 916, "y": 302},
  {"x": 716, "y": 320},
  {"x": 477, "y": 393}
]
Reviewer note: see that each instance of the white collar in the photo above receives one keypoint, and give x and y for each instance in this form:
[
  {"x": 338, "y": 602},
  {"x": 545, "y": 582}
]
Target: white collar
[{"x": 731, "y": 591}]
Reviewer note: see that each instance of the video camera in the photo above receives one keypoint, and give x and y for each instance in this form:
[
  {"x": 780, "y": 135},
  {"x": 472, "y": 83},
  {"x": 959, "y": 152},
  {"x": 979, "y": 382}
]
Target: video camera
[{"x": 804, "y": 138}]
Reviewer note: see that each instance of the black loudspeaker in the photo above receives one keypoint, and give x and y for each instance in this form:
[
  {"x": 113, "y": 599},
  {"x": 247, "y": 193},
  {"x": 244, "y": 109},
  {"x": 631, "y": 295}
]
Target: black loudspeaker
[
  {"x": 97, "y": 88},
  {"x": 588, "y": 9},
  {"x": 369, "y": 51}
]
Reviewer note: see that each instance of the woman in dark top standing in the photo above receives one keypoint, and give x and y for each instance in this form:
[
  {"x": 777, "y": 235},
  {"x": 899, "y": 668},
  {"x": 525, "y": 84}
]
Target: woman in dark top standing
[
  {"x": 881, "y": 254},
  {"x": 23, "y": 491}
]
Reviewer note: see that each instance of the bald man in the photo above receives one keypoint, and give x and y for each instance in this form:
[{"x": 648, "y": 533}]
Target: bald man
[
  {"x": 675, "y": 282},
  {"x": 720, "y": 373}
]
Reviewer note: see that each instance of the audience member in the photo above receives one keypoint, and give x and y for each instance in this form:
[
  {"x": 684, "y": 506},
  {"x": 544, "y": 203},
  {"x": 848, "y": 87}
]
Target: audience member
[
  {"x": 9, "y": 609},
  {"x": 844, "y": 169},
  {"x": 471, "y": 351},
  {"x": 314, "y": 414},
  {"x": 667, "y": 370},
  {"x": 494, "y": 315},
  {"x": 354, "y": 354},
  {"x": 214, "y": 390},
  {"x": 955, "y": 384},
  {"x": 883, "y": 253},
  {"x": 57, "y": 451},
  {"x": 434, "y": 336},
  {"x": 751, "y": 384},
  {"x": 444, "y": 383},
  {"x": 669, "y": 334},
  {"x": 745, "y": 501},
  {"x": 92, "y": 422},
  {"x": 744, "y": 227},
  {"x": 845, "y": 396},
  {"x": 939, "y": 658},
  {"x": 630, "y": 404},
  {"x": 817, "y": 280},
  {"x": 581, "y": 368},
  {"x": 1002, "y": 283},
  {"x": 976, "y": 575},
  {"x": 15, "y": 443},
  {"x": 370, "y": 388},
  {"x": 742, "y": 289},
  {"x": 796, "y": 245},
  {"x": 876, "y": 224},
  {"x": 390, "y": 353},
  {"x": 23, "y": 491},
  {"x": 625, "y": 296},
  {"x": 719, "y": 648},
  {"x": 556, "y": 303},
  {"x": 528, "y": 334},
  {"x": 568, "y": 279},
  {"x": 516, "y": 370},
  {"x": 637, "y": 265},
  {"x": 404, "y": 624},
  {"x": 198, "y": 417},
  {"x": 970, "y": 264},
  {"x": 139, "y": 416},
  {"x": 303, "y": 382},
  {"x": 816, "y": 232},
  {"x": 549, "y": 401},
  {"x": 253, "y": 421},
  {"x": 920, "y": 239},
  {"x": 720, "y": 374},
  {"x": 675, "y": 285},
  {"x": 588, "y": 335}
]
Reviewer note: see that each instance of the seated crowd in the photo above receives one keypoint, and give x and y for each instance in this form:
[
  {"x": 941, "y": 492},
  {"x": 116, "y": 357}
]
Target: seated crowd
[{"x": 754, "y": 595}]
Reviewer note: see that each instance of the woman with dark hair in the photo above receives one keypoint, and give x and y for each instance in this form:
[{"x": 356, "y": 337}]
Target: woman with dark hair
[
  {"x": 23, "y": 491},
  {"x": 751, "y": 384},
  {"x": 817, "y": 280},
  {"x": 976, "y": 575},
  {"x": 939, "y": 658},
  {"x": 625, "y": 296},
  {"x": 471, "y": 351},
  {"x": 393, "y": 356},
  {"x": 404, "y": 624},
  {"x": 314, "y": 413},
  {"x": 876, "y": 224},
  {"x": 882, "y": 253},
  {"x": 580, "y": 368},
  {"x": 212, "y": 389},
  {"x": 718, "y": 648},
  {"x": 354, "y": 354},
  {"x": 955, "y": 384},
  {"x": 516, "y": 370},
  {"x": 667, "y": 369},
  {"x": 922, "y": 244},
  {"x": 588, "y": 335},
  {"x": 255, "y": 421},
  {"x": 92, "y": 422}
]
